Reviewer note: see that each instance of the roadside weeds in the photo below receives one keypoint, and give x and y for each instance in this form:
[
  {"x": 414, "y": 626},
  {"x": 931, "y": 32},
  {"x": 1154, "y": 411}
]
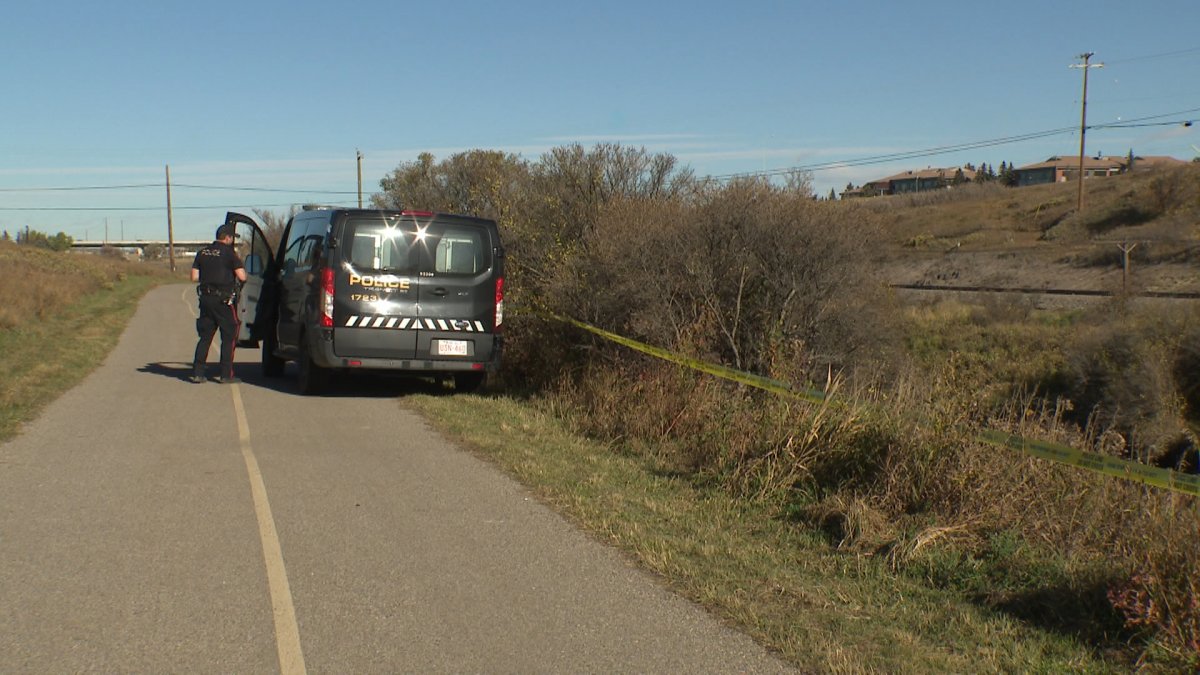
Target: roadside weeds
[{"x": 820, "y": 609}]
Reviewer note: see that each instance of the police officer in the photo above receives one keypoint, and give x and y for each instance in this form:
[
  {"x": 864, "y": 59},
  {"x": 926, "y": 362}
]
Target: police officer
[{"x": 217, "y": 268}]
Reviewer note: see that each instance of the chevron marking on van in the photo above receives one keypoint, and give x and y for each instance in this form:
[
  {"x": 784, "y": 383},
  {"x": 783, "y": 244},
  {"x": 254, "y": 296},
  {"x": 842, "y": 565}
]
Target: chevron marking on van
[{"x": 410, "y": 323}]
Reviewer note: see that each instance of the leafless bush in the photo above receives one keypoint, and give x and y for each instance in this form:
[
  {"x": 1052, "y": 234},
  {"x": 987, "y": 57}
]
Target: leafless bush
[
  {"x": 1172, "y": 187},
  {"x": 1161, "y": 598},
  {"x": 274, "y": 223},
  {"x": 754, "y": 276},
  {"x": 1127, "y": 379}
]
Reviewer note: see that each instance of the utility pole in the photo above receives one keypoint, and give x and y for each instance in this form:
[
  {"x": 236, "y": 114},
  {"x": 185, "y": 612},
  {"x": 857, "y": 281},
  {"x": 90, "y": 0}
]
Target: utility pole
[
  {"x": 1126, "y": 249},
  {"x": 359, "y": 153},
  {"x": 170, "y": 223},
  {"x": 1086, "y": 66}
]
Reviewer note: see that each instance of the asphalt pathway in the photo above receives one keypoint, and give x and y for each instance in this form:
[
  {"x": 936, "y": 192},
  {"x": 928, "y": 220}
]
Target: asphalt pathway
[{"x": 148, "y": 524}]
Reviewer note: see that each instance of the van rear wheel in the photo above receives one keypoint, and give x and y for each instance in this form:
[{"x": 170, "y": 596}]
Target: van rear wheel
[
  {"x": 466, "y": 383},
  {"x": 313, "y": 378}
]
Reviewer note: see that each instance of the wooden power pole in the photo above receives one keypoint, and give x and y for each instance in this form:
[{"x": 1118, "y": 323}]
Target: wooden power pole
[
  {"x": 1086, "y": 66},
  {"x": 359, "y": 154},
  {"x": 170, "y": 223}
]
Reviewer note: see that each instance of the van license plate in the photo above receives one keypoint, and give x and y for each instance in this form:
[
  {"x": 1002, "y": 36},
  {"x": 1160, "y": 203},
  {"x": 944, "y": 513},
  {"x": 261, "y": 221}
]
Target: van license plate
[{"x": 452, "y": 348}]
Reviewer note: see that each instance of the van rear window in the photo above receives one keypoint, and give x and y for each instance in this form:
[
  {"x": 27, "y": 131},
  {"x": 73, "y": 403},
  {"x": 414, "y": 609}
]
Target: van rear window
[
  {"x": 403, "y": 245},
  {"x": 381, "y": 244},
  {"x": 460, "y": 250}
]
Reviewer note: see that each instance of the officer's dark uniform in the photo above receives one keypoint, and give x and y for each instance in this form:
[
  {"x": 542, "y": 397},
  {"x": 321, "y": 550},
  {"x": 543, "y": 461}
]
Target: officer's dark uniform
[{"x": 216, "y": 264}]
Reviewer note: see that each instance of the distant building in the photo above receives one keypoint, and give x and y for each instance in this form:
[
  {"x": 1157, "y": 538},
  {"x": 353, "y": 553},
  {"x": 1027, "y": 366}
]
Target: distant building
[
  {"x": 921, "y": 180},
  {"x": 1057, "y": 169},
  {"x": 925, "y": 180},
  {"x": 1062, "y": 169}
]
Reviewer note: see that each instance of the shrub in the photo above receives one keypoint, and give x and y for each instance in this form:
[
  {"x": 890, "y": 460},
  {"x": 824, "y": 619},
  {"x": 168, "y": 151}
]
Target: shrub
[
  {"x": 760, "y": 278},
  {"x": 1161, "y": 598}
]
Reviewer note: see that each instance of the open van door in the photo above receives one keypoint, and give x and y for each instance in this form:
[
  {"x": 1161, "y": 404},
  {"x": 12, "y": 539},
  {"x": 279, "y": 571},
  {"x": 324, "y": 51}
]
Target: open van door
[{"x": 252, "y": 247}]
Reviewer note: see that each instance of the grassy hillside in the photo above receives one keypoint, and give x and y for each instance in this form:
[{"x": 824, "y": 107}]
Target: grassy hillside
[{"x": 1033, "y": 236}]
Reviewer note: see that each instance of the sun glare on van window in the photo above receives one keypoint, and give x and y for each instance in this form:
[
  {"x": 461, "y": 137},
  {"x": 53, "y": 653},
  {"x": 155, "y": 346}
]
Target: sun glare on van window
[{"x": 421, "y": 233}]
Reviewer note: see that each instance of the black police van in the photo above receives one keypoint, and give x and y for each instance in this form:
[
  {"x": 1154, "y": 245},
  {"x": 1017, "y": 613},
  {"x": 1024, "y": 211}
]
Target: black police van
[{"x": 355, "y": 289}]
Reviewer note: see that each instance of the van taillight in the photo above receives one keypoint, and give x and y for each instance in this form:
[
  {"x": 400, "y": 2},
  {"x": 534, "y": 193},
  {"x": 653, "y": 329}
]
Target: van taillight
[
  {"x": 327, "y": 297},
  {"x": 499, "y": 302}
]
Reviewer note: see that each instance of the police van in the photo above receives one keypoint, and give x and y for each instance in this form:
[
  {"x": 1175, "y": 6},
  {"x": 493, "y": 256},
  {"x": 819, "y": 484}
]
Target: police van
[{"x": 375, "y": 290}]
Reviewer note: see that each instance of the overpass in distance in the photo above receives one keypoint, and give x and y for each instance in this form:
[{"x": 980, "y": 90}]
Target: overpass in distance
[
  {"x": 139, "y": 246},
  {"x": 140, "y": 243}
]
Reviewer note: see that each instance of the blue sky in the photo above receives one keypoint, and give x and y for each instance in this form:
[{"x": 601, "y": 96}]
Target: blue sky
[{"x": 281, "y": 94}]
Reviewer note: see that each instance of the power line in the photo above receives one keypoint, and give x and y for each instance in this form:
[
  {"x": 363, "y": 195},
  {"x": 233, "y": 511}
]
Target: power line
[
  {"x": 942, "y": 150},
  {"x": 183, "y": 185},
  {"x": 85, "y": 187},
  {"x": 261, "y": 189},
  {"x": 896, "y": 156},
  {"x": 148, "y": 208},
  {"x": 1121, "y": 125},
  {"x": 1149, "y": 57},
  {"x": 1152, "y": 117}
]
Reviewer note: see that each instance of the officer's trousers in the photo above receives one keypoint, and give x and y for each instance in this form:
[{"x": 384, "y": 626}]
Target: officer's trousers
[{"x": 215, "y": 315}]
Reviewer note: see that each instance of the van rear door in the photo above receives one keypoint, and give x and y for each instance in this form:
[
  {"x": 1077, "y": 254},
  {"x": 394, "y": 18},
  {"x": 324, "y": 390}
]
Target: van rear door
[
  {"x": 376, "y": 287},
  {"x": 457, "y": 294}
]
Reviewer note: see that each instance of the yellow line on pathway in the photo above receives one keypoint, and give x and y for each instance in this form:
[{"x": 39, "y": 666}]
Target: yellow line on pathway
[{"x": 287, "y": 632}]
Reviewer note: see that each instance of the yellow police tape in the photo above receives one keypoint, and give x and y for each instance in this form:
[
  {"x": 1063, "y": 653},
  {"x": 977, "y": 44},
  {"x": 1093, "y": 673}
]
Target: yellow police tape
[
  {"x": 774, "y": 386},
  {"x": 1109, "y": 466}
]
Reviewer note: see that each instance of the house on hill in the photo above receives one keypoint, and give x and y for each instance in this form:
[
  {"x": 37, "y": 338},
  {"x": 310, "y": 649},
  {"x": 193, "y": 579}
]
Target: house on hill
[
  {"x": 1059, "y": 169},
  {"x": 1062, "y": 169},
  {"x": 921, "y": 180},
  {"x": 925, "y": 180}
]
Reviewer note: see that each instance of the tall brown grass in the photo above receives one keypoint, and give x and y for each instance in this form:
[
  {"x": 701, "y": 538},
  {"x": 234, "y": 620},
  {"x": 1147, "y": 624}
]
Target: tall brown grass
[{"x": 37, "y": 283}]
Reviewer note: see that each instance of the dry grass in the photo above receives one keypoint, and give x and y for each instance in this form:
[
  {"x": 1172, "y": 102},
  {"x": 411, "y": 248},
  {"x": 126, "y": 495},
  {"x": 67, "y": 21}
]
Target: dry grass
[
  {"x": 1032, "y": 237},
  {"x": 36, "y": 284},
  {"x": 824, "y": 609},
  {"x": 60, "y": 313}
]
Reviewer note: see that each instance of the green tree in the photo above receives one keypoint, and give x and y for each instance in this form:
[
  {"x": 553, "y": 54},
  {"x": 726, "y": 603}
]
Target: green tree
[
  {"x": 57, "y": 242},
  {"x": 1008, "y": 174}
]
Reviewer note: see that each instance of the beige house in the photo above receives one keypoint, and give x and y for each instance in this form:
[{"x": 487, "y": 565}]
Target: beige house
[
  {"x": 1062, "y": 169},
  {"x": 920, "y": 180}
]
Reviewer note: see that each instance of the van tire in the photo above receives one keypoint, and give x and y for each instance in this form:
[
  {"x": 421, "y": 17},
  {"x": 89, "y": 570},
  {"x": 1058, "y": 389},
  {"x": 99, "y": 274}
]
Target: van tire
[
  {"x": 272, "y": 365},
  {"x": 466, "y": 383},
  {"x": 313, "y": 379}
]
